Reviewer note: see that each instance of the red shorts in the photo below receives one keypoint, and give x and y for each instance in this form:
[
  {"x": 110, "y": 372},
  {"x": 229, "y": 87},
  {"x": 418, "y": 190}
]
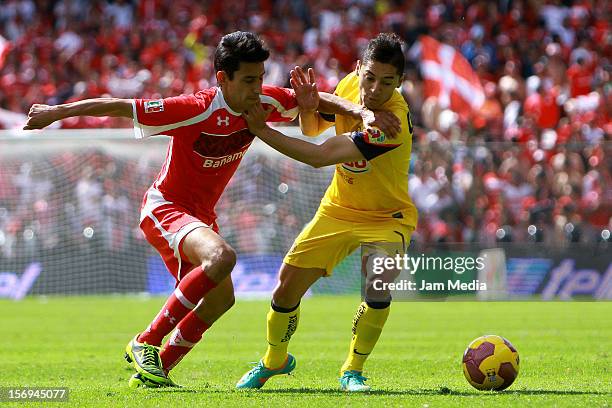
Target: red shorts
[{"x": 165, "y": 225}]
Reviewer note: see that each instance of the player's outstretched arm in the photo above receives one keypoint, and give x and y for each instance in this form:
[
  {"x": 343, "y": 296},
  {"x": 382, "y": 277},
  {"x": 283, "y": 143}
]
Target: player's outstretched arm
[
  {"x": 307, "y": 96},
  {"x": 41, "y": 116},
  {"x": 384, "y": 120},
  {"x": 310, "y": 100},
  {"x": 337, "y": 149}
]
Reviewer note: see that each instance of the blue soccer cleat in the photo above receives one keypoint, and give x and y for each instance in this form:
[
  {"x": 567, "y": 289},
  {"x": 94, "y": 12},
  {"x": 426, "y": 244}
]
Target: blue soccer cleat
[
  {"x": 259, "y": 374},
  {"x": 353, "y": 381}
]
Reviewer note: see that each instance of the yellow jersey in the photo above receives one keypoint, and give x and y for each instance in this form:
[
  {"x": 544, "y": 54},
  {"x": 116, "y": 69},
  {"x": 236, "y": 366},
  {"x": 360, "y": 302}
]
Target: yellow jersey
[{"x": 374, "y": 189}]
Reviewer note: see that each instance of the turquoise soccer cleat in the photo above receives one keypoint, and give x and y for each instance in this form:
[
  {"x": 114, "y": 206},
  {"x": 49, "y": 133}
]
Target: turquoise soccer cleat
[
  {"x": 353, "y": 381},
  {"x": 259, "y": 374}
]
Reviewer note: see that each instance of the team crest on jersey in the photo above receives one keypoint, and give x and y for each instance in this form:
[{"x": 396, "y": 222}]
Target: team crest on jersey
[
  {"x": 373, "y": 136},
  {"x": 154, "y": 106}
]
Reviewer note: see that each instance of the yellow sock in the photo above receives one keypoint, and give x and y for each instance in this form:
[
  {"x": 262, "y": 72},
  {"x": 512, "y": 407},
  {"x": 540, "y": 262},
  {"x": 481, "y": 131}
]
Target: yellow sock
[
  {"x": 367, "y": 326},
  {"x": 281, "y": 327}
]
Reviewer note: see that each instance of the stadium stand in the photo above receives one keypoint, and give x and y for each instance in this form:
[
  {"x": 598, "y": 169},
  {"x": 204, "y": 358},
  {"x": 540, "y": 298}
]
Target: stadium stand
[{"x": 535, "y": 154}]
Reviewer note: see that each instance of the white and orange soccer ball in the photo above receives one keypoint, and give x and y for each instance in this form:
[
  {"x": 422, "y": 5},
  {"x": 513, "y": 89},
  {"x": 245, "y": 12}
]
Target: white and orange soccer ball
[{"x": 490, "y": 363}]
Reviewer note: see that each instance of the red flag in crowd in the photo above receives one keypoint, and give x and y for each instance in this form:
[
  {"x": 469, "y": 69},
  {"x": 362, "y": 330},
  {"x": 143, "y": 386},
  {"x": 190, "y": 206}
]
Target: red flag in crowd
[{"x": 450, "y": 77}]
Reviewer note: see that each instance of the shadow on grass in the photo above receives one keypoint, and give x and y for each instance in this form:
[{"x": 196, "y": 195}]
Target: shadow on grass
[
  {"x": 182, "y": 390},
  {"x": 446, "y": 391},
  {"x": 335, "y": 391},
  {"x": 438, "y": 391}
]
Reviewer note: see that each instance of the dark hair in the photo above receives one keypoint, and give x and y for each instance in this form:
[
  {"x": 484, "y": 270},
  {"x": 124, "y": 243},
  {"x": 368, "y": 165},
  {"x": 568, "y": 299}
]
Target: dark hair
[
  {"x": 237, "y": 47},
  {"x": 386, "y": 48}
]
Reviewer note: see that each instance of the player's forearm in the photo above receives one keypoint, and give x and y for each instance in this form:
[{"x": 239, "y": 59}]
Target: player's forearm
[
  {"x": 309, "y": 123},
  {"x": 329, "y": 103},
  {"x": 41, "y": 116},
  {"x": 95, "y": 107},
  {"x": 297, "y": 149}
]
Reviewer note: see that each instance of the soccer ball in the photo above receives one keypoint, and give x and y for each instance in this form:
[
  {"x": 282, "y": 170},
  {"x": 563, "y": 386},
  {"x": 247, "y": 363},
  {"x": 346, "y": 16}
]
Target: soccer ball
[{"x": 490, "y": 363}]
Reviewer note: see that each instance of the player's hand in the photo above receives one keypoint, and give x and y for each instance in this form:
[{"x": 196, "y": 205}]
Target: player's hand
[
  {"x": 305, "y": 87},
  {"x": 256, "y": 118},
  {"x": 40, "y": 116},
  {"x": 384, "y": 120}
]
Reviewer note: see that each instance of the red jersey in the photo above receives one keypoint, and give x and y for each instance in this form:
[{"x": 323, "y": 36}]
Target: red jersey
[
  {"x": 208, "y": 141},
  {"x": 580, "y": 78}
]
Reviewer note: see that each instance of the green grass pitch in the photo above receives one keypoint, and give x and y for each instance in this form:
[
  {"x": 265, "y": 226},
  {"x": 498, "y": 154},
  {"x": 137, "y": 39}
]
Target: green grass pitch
[{"x": 78, "y": 342}]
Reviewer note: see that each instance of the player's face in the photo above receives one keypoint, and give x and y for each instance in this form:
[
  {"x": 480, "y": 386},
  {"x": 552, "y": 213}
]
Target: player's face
[
  {"x": 244, "y": 89},
  {"x": 377, "y": 81}
]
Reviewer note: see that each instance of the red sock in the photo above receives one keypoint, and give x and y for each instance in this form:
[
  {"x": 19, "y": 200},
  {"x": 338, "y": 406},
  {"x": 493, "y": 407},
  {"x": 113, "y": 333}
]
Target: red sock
[
  {"x": 191, "y": 289},
  {"x": 188, "y": 332}
]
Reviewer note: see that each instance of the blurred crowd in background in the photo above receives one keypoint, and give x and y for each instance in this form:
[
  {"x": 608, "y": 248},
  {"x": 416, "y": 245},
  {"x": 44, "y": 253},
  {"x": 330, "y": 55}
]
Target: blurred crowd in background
[
  {"x": 88, "y": 199},
  {"x": 533, "y": 163}
]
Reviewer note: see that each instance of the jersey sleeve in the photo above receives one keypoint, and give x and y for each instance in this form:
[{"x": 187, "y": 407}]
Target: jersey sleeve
[
  {"x": 328, "y": 117},
  {"x": 162, "y": 116},
  {"x": 372, "y": 143},
  {"x": 284, "y": 103},
  {"x": 348, "y": 82}
]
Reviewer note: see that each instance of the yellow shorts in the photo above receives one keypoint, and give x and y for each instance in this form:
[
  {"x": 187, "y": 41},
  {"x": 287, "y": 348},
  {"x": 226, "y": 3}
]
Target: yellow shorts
[{"x": 325, "y": 241}]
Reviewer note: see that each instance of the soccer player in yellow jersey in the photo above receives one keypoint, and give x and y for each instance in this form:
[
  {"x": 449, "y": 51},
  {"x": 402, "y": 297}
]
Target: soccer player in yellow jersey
[{"x": 367, "y": 201}]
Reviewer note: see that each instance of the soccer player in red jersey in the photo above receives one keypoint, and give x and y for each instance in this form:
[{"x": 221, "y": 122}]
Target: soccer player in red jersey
[{"x": 209, "y": 137}]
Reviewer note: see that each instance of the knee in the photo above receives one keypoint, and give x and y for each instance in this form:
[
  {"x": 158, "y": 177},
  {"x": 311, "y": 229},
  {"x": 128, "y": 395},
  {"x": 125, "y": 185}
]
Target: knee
[
  {"x": 221, "y": 263},
  {"x": 227, "y": 257}
]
